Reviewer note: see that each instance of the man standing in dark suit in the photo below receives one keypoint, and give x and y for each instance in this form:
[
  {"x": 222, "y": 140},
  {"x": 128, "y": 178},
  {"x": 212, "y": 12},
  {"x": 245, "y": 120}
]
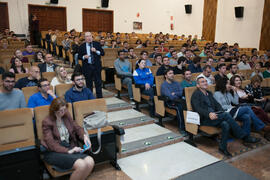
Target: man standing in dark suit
[
  {"x": 48, "y": 65},
  {"x": 90, "y": 53}
]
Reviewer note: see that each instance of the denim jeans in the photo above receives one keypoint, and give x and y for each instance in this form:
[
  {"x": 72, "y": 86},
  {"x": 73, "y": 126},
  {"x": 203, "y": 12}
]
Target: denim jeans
[
  {"x": 226, "y": 123},
  {"x": 128, "y": 82},
  {"x": 247, "y": 116},
  {"x": 76, "y": 58},
  {"x": 179, "y": 114},
  {"x": 150, "y": 93}
]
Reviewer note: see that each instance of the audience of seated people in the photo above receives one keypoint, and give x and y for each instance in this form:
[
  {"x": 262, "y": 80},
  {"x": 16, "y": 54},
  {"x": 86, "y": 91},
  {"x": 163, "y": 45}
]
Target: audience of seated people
[
  {"x": 143, "y": 76},
  {"x": 10, "y": 97},
  {"x": 31, "y": 80},
  {"x": 212, "y": 114},
  {"x": 124, "y": 69},
  {"x": 44, "y": 97},
  {"x": 227, "y": 96},
  {"x": 78, "y": 92}
]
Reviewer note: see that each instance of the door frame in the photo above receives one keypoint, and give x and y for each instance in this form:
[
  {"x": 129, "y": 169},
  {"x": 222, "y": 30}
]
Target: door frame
[
  {"x": 44, "y": 6},
  {"x": 100, "y": 10},
  {"x": 7, "y": 13}
]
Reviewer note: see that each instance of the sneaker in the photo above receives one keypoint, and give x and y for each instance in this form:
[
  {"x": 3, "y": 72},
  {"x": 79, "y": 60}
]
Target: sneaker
[
  {"x": 225, "y": 152},
  {"x": 250, "y": 139},
  {"x": 183, "y": 132},
  {"x": 132, "y": 101}
]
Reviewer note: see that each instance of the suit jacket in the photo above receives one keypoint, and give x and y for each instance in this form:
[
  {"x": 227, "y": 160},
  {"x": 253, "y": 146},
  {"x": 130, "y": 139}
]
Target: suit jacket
[
  {"x": 43, "y": 67},
  {"x": 199, "y": 104},
  {"x": 51, "y": 137},
  {"x": 95, "y": 57}
]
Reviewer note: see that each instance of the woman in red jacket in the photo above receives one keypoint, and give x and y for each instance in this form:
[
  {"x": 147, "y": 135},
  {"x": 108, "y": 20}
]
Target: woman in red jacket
[{"x": 60, "y": 138}]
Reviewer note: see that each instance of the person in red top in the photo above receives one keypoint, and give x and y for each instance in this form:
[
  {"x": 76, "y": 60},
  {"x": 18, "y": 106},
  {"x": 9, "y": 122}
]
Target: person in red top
[
  {"x": 162, "y": 48},
  {"x": 61, "y": 135}
]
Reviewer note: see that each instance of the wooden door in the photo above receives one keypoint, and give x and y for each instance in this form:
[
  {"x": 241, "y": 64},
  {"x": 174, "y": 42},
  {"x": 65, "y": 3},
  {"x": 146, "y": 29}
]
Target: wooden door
[
  {"x": 209, "y": 19},
  {"x": 49, "y": 17},
  {"x": 97, "y": 20},
  {"x": 265, "y": 32},
  {"x": 4, "y": 22}
]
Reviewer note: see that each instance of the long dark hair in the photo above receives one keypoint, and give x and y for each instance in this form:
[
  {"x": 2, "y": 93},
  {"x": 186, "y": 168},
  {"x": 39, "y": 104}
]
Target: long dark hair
[
  {"x": 221, "y": 85},
  {"x": 13, "y": 66},
  {"x": 137, "y": 64}
]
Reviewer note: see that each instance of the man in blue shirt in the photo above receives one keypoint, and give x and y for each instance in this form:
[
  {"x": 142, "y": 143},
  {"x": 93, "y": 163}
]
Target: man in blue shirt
[
  {"x": 173, "y": 92},
  {"x": 44, "y": 97},
  {"x": 78, "y": 92}
]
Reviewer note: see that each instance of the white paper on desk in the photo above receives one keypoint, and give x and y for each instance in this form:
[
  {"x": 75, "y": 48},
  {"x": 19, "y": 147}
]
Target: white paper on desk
[{"x": 193, "y": 117}]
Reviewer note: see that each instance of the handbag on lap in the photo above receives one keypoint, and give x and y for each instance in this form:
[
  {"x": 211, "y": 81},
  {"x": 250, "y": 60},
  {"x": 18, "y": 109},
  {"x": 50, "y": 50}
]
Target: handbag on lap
[{"x": 95, "y": 120}]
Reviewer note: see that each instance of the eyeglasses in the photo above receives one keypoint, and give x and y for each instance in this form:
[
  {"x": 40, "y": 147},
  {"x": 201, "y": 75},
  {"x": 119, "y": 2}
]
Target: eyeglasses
[
  {"x": 9, "y": 82},
  {"x": 81, "y": 79},
  {"x": 45, "y": 85}
]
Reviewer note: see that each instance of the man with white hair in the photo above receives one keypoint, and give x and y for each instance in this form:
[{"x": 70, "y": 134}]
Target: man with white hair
[{"x": 89, "y": 53}]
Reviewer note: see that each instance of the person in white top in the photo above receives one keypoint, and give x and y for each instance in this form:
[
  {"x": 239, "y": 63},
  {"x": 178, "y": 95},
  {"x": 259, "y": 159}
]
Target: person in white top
[
  {"x": 243, "y": 64},
  {"x": 207, "y": 70},
  {"x": 61, "y": 77}
]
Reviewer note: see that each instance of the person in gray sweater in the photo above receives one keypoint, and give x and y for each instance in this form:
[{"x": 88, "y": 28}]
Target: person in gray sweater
[
  {"x": 227, "y": 97},
  {"x": 10, "y": 98},
  {"x": 124, "y": 70}
]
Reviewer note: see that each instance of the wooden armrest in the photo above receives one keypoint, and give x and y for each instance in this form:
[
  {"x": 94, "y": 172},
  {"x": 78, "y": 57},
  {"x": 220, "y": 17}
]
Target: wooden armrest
[
  {"x": 104, "y": 129},
  {"x": 159, "y": 106}
]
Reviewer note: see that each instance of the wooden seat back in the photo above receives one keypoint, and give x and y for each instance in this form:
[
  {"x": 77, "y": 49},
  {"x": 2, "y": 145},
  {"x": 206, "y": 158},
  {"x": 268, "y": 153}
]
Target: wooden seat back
[
  {"x": 61, "y": 89},
  {"x": 48, "y": 75},
  {"x": 16, "y": 129},
  {"x": 82, "y": 108},
  {"x": 19, "y": 76}
]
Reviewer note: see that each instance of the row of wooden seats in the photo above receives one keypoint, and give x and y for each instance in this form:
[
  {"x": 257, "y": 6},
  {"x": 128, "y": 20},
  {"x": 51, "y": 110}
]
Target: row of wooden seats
[{"x": 16, "y": 129}]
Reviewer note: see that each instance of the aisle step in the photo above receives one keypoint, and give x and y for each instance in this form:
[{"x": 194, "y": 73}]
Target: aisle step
[
  {"x": 144, "y": 138},
  {"x": 129, "y": 118},
  {"x": 115, "y": 104}
]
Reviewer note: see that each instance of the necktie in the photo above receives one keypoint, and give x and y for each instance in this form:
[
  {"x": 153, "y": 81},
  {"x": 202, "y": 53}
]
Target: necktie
[{"x": 90, "y": 56}]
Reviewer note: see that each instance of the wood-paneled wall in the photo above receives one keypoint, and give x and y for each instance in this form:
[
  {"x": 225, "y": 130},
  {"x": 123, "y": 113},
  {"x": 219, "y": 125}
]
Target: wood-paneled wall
[
  {"x": 97, "y": 20},
  {"x": 4, "y": 22},
  {"x": 49, "y": 17},
  {"x": 265, "y": 32},
  {"x": 209, "y": 19}
]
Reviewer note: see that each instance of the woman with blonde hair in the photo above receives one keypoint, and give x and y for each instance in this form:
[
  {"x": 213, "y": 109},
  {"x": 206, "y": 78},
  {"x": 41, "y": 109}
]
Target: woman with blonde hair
[{"x": 61, "y": 76}]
